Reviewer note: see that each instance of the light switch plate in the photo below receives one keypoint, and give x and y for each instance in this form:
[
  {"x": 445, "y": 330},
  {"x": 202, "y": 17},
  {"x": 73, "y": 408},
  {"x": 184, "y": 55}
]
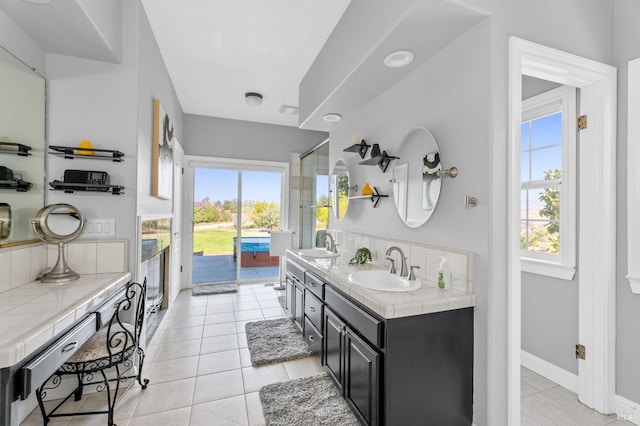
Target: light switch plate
[{"x": 97, "y": 228}]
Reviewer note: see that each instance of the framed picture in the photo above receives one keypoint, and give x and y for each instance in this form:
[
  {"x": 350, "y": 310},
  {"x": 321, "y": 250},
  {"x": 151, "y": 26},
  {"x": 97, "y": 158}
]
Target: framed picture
[{"x": 162, "y": 168}]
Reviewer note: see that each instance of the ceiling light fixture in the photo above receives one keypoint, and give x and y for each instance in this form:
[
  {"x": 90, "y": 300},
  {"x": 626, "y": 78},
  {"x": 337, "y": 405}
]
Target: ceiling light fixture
[
  {"x": 253, "y": 98},
  {"x": 332, "y": 116},
  {"x": 399, "y": 58}
]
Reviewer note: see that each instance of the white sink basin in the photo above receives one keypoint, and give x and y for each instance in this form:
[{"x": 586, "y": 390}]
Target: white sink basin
[
  {"x": 382, "y": 280},
  {"x": 317, "y": 252}
]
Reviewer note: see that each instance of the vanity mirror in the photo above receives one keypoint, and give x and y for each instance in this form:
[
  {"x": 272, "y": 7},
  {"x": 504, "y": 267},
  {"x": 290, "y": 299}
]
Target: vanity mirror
[
  {"x": 417, "y": 177},
  {"x": 22, "y": 143},
  {"x": 59, "y": 224},
  {"x": 340, "y": 189}
]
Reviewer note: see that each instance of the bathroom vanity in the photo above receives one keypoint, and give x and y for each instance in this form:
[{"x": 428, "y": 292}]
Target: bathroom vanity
[
  {"x": 398, "y": 358},
  {"x": 42, "y": 325}
]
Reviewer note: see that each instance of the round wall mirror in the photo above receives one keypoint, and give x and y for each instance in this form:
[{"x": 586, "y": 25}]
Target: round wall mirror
[
  {"x": 340, "y": 189},
  {"x": 59, "y": 224},
  {"x": 416, "y": 181}
]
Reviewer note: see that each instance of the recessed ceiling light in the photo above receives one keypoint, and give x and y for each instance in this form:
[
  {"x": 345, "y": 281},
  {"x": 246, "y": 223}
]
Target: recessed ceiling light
[
  {"x": 38, "y": 1},
  {"x": 253, "y": 98},
  {"x": 332, "y": 116},
  {"x": 399, "y": 58}
]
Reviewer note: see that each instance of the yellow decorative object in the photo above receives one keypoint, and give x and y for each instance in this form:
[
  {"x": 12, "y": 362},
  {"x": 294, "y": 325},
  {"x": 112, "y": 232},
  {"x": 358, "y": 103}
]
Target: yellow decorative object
[
  {"x": 367, "y": 189},
  {"x": 85, "y": 144}
]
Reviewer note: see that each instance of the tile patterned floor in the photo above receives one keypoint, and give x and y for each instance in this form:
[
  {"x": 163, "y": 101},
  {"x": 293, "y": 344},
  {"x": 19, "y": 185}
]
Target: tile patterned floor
[
  {"x": 199, "y": 366},
  {"x": 201, "y": 373},
  {"x": 545, "y": 403}
]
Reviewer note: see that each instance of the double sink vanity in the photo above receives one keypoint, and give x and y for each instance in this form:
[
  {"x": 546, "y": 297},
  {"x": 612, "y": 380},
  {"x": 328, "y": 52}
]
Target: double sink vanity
[{"x": 400, "y": 351}]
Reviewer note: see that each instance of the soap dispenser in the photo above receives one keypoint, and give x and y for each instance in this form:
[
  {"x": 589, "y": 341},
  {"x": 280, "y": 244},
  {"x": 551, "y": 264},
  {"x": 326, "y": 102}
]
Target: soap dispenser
[{"x": 443, "y": 274}]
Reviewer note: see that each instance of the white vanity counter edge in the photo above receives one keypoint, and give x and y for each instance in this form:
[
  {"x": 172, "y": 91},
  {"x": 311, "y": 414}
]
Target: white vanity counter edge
[
  {"x": 428, "y": 299},
  {"x": 32, "y": 314}
]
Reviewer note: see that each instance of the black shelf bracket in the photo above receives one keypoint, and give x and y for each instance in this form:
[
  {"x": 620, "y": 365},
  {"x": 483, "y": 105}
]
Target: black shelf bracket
[
  {"x": 361, "y": 148},
  {"x": 375, "y": 197},
  {"x": 91, "y": 153},
  {"x": 379, "y": 158}
]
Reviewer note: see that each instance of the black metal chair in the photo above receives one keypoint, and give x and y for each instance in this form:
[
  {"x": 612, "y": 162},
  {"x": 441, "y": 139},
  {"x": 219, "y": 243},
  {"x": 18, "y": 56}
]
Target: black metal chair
[{"x": 105, "y": 358}]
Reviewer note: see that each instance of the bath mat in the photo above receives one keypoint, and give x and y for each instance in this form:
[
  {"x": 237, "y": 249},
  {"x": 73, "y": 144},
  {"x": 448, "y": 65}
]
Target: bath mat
[
  {"x": 217, "y": 288},
  {"x": 275, "y": 340},
  {"x": 282, "y": 302},
  {"x": 311, "y": 400}
]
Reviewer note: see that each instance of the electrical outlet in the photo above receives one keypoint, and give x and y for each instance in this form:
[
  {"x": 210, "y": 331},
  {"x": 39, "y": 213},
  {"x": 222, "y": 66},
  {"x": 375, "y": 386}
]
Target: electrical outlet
[{"x": 459, "y": 281}]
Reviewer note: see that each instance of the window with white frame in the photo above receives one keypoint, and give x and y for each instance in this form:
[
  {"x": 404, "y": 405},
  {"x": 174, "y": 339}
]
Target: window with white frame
[{"x": 548, "y": 183}]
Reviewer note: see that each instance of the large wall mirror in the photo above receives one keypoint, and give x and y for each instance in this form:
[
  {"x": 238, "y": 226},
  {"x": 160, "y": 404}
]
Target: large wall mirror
[
  {"x": 22, "y": 121},
  {"x": 340, "y": 189},
  {"x": 416, "y": 177}
]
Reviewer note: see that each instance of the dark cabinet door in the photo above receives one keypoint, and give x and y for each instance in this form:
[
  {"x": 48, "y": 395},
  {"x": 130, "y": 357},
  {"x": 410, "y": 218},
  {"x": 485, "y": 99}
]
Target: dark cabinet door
[
  {"x": 298, "y": 312},
  {"x": 333, "y": 350},
  {"x": 290, "y": 296},
  {"x": 362, "y": 375}
]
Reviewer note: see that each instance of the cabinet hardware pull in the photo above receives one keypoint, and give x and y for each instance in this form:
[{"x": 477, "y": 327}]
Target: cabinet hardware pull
[
  {"x": 312, "y": 338},
  {"x": 312, "y": 309},
  {"x": 312, "y": 284},
  {"x": 70, "y": 346}
]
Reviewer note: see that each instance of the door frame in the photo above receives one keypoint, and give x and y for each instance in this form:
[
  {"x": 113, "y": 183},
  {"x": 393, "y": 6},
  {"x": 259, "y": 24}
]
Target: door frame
[
  {"x": 597, "y": 217},
  {"x": 194, "y": 161}
]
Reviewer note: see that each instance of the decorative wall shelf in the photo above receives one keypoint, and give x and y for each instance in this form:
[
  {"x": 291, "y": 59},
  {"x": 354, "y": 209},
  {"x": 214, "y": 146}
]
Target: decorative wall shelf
[
  {"x": 378, "y": 158},
  {"x": 375, "y": 197},
  {"x": 15, "y": 148},
  {"x": 361, "y": 148},
  {"x": 91, "y": 153},
  {"x": 69, "y": 188},
  {"x": 17, "y": 184}
]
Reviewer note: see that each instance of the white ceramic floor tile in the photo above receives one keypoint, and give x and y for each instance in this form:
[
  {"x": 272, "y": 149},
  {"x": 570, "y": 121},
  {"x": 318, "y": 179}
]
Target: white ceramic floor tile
[
  {"x": 219, "y": 361},
  {"x": 174, "y": 369},
  {"x": 303, "y": 367},
  {"x": 173, "y": 350},
  {"x": 165, "y": 397},
  {"x": 219, "y": 318},
  {"x": 218, "y": 344},
  {"x": 254, "y": 409},
  {"x": 178, "y": 417},
  {"x": 257, "y": 377},
  {"x": 211, "y": 387},
  {"x": 228, "y": 411},
  {"x": 221, "y": 329}
]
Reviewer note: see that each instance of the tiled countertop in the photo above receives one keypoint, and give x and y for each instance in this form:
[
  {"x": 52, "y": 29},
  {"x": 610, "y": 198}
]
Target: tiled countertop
[
  {"x": 428, "y": 299},
  {"x": 32, "y": 314}
]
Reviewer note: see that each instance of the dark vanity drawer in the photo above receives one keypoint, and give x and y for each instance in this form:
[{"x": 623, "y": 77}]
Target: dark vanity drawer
[
  {"x": 44, "y": 365},
  {"x": 315, "y": 284},
  {"x": 313, "y": 308},
  {"x": 313, "y": 338},
  {"x": 361, "y": 321},
  {"x": 108, "y": 308},
  {"x": 296, "y": 270}
]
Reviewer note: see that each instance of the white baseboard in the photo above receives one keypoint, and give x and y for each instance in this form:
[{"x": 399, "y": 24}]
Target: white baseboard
[
  {"x": 550, "y": 371},
  {"x": 627, "y": 410}
]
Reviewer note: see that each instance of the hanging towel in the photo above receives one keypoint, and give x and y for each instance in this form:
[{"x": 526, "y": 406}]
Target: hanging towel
[{"x": 279, "y": 242}]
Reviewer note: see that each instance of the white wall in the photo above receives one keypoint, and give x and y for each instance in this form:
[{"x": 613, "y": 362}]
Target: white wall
[
  {"x": 221, "y": 137},
  {"x": 20, "y": 44},
  {"x": 627, "y": 33}
]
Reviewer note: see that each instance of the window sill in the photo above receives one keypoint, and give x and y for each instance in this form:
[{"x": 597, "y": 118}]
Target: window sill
[
  {"x": 635, "y": 284},
  {"x": 550, "y": 269}
]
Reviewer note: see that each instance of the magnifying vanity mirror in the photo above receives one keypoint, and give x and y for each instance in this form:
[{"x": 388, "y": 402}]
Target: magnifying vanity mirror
[
  {"x": 22, "y": 147},
  {"x": 59, "y": 224},
  {"x": 340, "y": 189},
  {"x": 416, "y": 178}
]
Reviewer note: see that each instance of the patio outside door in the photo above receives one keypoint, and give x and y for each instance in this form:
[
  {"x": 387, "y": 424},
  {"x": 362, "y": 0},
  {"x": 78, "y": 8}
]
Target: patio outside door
[{"x": 233, "y": 214}]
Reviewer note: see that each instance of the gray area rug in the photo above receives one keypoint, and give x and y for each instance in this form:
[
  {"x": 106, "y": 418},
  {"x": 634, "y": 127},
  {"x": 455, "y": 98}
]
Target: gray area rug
[
  {"x": 275, "y": 340},
  {"x": 307, "y": 401},
  {"x": 216, "y": 288}
]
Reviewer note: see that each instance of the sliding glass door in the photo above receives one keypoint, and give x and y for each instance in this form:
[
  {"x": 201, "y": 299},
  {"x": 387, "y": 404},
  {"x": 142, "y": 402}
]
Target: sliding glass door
[{"x": 234, "y": 212}]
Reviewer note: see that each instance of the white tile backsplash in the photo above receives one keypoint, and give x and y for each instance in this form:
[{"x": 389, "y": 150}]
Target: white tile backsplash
[
  {"x": 426, "y": 257},
  {"x": 20, "y": 265}
]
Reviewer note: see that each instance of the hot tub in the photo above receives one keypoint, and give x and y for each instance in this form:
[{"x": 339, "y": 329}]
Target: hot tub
[{"x": 254, "y": 252}]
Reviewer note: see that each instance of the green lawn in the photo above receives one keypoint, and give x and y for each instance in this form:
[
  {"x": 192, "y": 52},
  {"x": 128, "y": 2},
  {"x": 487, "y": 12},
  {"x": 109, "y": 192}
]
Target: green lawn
[
  {"x": 216, "y": 241},
  {"x": 213, "y": 241}
]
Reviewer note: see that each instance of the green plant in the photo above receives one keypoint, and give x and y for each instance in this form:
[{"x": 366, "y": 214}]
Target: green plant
[{"x": 363, "y": 255}]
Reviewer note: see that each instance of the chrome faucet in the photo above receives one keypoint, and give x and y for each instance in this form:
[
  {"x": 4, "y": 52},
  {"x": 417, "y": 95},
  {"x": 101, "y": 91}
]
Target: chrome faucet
[
  {"x": 330, "y": 244},
  {"x": 403, "y": 266}
]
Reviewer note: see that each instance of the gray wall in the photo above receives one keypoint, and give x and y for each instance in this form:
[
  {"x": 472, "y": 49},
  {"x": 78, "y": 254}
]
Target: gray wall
[
  {"x": 221, "y": 137},
  {"x": 627, "y": 33}
]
